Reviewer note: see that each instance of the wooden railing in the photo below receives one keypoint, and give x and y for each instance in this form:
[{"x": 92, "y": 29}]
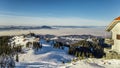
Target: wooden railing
[{"x": 109, "y": 41}]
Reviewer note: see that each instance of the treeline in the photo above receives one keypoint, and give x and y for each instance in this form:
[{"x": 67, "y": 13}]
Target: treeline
[
  {"x": 4, "y": 47},
  {"x": 6, "y": 53},
  {"x": 83, "y": 48},
  {"x": 86, "y": 49},
  {"x": 58, "y": 45},
  {"x": 37, "y": 45}
]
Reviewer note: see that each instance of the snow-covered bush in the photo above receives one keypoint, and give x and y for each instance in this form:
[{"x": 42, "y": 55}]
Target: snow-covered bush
[{"x": 7, "y": 61}]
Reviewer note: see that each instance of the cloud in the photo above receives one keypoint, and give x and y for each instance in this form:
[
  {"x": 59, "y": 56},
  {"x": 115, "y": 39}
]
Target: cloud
[{"x": 35, "y": 21}]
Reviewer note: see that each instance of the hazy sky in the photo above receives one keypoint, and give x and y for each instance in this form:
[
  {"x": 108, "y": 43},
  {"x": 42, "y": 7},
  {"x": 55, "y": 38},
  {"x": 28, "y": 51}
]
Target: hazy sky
[{"x": 58, "y": 12}]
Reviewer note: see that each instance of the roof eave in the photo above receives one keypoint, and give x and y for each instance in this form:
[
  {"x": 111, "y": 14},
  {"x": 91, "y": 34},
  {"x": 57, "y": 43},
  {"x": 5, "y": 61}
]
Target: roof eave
[
  {"x": 108, "y": 30},
  {"x": 111, "y": 26}
]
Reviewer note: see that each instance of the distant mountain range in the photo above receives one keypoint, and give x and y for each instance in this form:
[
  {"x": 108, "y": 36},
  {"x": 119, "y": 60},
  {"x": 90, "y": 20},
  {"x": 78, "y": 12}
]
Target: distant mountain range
[
  {"x": 80, "y": 26},
  {"x": 24, "y": 27},
  {"x": 44, "y": 27}
]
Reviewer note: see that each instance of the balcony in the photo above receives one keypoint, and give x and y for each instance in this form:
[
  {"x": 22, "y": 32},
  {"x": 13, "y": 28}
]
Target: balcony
[{"x": 109, "y": 41}]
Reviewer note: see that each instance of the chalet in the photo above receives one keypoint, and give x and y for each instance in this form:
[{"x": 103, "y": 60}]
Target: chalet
[{"x": 114, "y": 28}]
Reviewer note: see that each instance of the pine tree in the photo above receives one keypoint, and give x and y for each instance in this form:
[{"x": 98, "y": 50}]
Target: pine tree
[
  {"x": 17, "y": 58},
  {"x": 76, "y": 54},
  {"x": 83, "y": 55},
  {"x": 79, "y": 57}
]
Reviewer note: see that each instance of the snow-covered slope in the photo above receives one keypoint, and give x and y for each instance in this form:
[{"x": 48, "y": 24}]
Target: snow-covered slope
[
  {"x": 47, "y": 57},
  {"x": 94, "y": 63}
]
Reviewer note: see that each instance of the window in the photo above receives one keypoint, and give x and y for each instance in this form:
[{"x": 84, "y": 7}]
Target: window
[{"x": 118, "y": 36}]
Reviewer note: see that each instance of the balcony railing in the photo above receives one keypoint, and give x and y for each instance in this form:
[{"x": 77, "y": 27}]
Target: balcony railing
[{"x": 109, "y": 41}]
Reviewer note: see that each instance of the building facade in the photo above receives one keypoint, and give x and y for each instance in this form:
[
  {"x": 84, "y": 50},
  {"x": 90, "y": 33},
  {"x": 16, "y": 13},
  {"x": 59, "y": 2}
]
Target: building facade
[{"x": 114, "y": 27}]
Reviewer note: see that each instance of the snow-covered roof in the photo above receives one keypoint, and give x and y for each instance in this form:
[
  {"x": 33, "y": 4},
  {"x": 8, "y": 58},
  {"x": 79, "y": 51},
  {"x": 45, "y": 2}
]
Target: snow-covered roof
[{"x": 114, "y": 22}]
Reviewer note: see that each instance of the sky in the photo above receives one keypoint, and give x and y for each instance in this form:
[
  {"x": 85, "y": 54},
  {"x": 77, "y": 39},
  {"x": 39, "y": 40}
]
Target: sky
[{"x": 58, "y": 12}]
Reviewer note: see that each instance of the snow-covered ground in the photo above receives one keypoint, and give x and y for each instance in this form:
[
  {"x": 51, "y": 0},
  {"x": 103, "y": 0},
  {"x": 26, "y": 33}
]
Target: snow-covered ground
[
  {"x": 94, "y": 63},
  {"x": 47, "y": 57},
  {"x": 54, "y": 58}
]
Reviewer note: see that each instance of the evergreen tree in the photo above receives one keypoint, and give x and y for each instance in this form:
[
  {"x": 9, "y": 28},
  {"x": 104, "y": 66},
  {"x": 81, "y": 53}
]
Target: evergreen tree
[
  {"x": 17, "y": 58},
  {"x": 76, "y": 54}
]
